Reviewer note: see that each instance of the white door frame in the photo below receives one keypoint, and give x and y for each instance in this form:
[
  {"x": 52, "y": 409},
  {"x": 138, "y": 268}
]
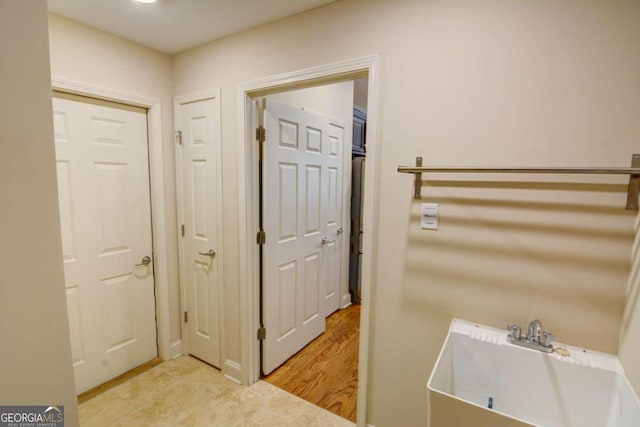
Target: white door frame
[
  {"x": 368, "y": 66},
  {"x": 156, "y": 177},
  {"x": 178, "y": 100}
]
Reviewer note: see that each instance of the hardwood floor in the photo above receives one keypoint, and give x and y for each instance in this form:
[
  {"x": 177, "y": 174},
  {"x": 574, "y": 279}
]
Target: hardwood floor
[{"x": 325, "y": 372}]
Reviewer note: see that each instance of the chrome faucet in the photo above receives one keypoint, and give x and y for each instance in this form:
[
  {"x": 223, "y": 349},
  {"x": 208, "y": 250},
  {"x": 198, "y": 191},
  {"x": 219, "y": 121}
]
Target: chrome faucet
[
  {"x": 536, "y": 338},
  {"x": 534, "y": 333}
]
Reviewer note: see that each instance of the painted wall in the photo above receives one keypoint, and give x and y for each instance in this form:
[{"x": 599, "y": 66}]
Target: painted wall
[
  {"x": 333, "y": 100},
  {"x": 629, "y": 352},
  {"x": 86, "y": 55},
  {"x": 360, "y": 93},
  {"x": 497, "y": 82},
  {"x": 35, "y": 361}
]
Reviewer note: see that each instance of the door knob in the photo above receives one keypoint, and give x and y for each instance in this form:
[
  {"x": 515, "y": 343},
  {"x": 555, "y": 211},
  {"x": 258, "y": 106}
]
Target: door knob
[
  {"x": 324, "y": 241},
  {"x": 339, "y": 231},
  {"x": 211, "y": 253},
  {"x": 145, "y": 261}
]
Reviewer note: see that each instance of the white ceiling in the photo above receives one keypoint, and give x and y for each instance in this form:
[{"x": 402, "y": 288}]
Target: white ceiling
[{"x": 172, "y": 26}]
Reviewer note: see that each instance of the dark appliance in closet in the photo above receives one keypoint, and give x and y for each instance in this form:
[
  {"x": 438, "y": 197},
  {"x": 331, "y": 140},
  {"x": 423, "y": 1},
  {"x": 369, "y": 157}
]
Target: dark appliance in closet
[{"x": 357, "y": 192}]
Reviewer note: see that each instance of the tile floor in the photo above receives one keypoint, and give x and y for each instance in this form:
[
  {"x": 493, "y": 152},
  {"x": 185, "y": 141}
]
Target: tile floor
[{"x": 187, "y": 392}]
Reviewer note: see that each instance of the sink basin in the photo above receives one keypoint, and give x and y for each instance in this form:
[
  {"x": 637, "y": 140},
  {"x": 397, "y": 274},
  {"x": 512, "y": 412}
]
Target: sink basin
[{"x": 481, "y": 380}]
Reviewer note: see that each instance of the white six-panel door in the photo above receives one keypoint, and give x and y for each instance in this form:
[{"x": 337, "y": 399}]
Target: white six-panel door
[
  {"x": 201, "y": 215},
  {"x": 103, "y": 187},
  {"x": 301, "y": 216},
  {"x": 333, "y": 154}
]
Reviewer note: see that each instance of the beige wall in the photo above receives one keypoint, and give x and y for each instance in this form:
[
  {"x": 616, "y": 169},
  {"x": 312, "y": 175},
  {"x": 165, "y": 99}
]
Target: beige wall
[
  {"x": 35, "y": 361},
  {"x": 468, "y": 83},
  {"x": 360, "y": 93},
  {"x": 629, "y": 352},
  {"x": 83, "y": 54},
  {"x": 334, "y": 100}
]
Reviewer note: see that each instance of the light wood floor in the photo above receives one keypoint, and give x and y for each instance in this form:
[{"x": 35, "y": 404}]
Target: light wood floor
[{"x": 325, "y": 372}]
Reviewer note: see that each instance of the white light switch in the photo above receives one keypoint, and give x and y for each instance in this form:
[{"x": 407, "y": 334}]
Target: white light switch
[{"x": 429, "y": 216}]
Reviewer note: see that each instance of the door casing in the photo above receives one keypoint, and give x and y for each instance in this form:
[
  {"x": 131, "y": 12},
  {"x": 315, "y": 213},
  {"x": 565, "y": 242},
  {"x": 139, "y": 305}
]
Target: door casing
[
  {"x": 166, "y": 349},
  {"x": 248, "y": 370}
]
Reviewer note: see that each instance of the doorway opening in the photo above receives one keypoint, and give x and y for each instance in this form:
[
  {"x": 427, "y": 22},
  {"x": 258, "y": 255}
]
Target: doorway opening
[
  {"x": 199, "y": 194},
  {"x": 105, "y": 212},
  {"x": 310, "y": 220},
  {"x": 249, "y": 292},
  {"x": 105, "y": 133}
]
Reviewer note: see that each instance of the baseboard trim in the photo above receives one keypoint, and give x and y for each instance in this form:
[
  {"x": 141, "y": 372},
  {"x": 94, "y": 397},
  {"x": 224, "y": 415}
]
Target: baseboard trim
[
  {"x": 232, "y": 371},
  {"x": 175, "y": 349},
  {"x": 346, "y": 300}
]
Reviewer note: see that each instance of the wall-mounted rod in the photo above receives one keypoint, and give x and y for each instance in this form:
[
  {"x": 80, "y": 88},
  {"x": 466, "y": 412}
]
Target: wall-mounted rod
[
  {"x": 633, "y": 171},
  {"x": 584, "y": 171}
]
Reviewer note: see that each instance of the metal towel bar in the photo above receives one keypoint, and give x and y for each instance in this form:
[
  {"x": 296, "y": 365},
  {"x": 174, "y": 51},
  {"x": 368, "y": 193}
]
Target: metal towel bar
[{"x": 633, "y": 189}]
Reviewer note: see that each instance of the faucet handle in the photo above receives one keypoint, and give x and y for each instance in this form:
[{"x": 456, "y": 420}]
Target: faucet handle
[
  {"x": 547, "y": 338},
  {"x": 515, "y": 331}
]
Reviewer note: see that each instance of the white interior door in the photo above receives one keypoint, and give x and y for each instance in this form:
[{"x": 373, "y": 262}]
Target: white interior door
[
  {"x": 332, "y": 151},
  {"x": 302, "y": 193},
  {"x": 201, "y": 216},
  {"x": 105, "y": 214}
]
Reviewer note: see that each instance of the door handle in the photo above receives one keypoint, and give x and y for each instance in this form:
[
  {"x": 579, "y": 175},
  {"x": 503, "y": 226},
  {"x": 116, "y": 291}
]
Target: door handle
[
  {"x": 339, "y": 231},
  {"x": 145, "y": 261},
  {"x": 324, "y": 241},
  {"x": 211, "y": 253}
]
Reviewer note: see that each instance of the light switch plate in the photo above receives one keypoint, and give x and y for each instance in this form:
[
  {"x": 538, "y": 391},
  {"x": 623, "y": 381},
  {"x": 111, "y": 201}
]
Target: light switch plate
[{"x": 429, "y": 216}]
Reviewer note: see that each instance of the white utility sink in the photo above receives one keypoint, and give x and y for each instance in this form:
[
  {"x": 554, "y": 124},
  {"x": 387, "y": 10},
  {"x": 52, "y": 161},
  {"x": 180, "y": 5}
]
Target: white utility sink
[{"x": 526, "y": 387}]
